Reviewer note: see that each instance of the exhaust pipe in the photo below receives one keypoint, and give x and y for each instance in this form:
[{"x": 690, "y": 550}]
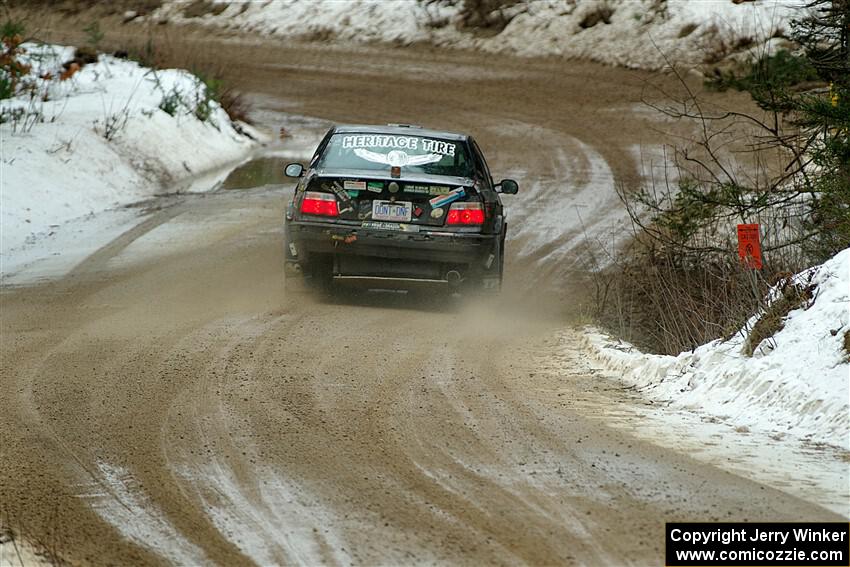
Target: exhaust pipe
[{"x": 453, "y": 277}]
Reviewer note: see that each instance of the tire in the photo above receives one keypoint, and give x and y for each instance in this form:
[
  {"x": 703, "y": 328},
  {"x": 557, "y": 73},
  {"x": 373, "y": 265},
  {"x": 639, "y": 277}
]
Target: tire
[
  {"x": 488, "y": 287},
  {"x": 293, "y": 278},
  {"x": 319, "y": 274}
]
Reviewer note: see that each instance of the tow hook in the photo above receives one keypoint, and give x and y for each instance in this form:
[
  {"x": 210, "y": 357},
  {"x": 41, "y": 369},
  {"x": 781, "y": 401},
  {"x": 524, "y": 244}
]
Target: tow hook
[{"x": 347, "y": 239}]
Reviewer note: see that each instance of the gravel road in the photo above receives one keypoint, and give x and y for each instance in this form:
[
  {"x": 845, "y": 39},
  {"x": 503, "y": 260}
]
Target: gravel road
[{"x": 169, "y": 402}]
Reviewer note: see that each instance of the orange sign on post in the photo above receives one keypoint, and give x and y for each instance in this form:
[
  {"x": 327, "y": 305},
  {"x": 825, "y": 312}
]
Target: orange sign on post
[{"x": 749, "y": 245}]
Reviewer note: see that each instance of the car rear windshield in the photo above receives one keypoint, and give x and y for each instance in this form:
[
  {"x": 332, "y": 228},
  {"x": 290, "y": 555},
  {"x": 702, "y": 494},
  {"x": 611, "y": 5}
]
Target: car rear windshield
[{"x": 415, "y": 154}]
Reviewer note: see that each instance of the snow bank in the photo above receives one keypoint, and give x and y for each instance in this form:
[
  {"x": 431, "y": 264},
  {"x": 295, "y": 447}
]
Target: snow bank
[
  {"x": 99, "y": 139},
  {"x": 401, "y": 21},
  {"x": 797, "y": 383},
  {"x": 640, "y": 34},
  {"x": 631, "y": 33}
]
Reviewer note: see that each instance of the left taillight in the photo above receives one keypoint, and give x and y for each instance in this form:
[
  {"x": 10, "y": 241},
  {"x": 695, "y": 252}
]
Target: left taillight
[
  {"x": 466, "y": 214},
  {"x": 321, "y": 204}
]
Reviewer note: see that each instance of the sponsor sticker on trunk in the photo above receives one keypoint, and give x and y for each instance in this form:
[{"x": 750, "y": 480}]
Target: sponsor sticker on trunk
[
  {"x": 427, "y": 189},
  {"x": 343, "y": 196},
  {"x": 354, "y": 185},
  {"x": 376, "y": 225},
  {"x": 375, "y": 186},
  {"x": 444, "y": 200},
  {"x": 420, "y": 189}
]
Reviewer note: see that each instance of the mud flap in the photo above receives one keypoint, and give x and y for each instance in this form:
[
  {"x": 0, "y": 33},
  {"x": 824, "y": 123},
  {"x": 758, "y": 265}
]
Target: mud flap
[
  {"x": 491, "y": 284},
  {"x": 293, "y": 277},
  {"x": 491, "y": 281}
]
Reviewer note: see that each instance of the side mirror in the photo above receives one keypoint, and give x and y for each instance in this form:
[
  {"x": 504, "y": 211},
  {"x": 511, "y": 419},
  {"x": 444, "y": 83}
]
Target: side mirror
[
  {"x": 294, "y": 170},
  {"x": 508, "y": 187}
]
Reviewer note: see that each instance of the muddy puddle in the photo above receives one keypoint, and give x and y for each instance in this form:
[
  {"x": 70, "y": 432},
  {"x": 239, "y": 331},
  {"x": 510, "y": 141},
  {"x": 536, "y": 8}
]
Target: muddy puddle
[{"x": 257, "y": 173}]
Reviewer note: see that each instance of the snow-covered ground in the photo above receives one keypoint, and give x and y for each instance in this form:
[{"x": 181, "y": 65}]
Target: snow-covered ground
[
  {"x": 632, "y": 33},
  {"x": 99, "y": 140},
  {"x": 16, "y": 551},
  {"x": 796, "y": 384}
]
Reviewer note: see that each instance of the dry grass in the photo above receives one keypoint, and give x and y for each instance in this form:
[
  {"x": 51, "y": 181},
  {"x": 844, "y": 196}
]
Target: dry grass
[
  {"x": 718, "y": 44},
  {"x": 687, "y": 30},
  {"x": 166, "y": 53},
  {"x": 667, "y": 300},
  {"x": 236, "y": 106},
  {"x": 792, "y": 296},
  {"x": 200, "y": 8},
  {"x": 484, "y": 17},
  {"x": 602, "y": 13},
  {"x": 665, "y": 306}
]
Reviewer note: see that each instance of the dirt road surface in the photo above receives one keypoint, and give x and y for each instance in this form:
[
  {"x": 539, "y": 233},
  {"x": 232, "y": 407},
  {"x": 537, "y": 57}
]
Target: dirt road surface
[{"x": 168, "y": 402}]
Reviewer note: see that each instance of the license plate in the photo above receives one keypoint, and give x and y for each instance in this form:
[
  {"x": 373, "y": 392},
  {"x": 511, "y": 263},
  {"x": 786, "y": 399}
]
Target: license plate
[{"x": 399, "y": 211}]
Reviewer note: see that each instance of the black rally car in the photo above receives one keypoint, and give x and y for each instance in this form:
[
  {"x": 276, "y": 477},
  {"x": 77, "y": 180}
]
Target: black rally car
[{"x": 396, "y": 206}]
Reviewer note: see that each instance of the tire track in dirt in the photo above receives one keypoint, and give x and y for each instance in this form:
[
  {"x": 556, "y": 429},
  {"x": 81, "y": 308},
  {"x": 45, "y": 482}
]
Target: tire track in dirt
[{"x": 250, "y": 426}]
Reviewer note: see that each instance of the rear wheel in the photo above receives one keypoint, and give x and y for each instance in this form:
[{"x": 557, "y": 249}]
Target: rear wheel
[
  {"x": 319, "y": 272},
  {"x": 501, "y": 265},
  {"x": 293, "y": 278},
  {"x": 491, "y": 282},
  {"x": 501, "y": 259}
]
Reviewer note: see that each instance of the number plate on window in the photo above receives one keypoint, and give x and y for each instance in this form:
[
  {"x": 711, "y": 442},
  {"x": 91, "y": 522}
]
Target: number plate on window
[{"x": 400, "y": 211}]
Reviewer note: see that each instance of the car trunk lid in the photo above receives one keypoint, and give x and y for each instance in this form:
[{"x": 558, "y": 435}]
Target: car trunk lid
[{"x": 422, "y": 200}]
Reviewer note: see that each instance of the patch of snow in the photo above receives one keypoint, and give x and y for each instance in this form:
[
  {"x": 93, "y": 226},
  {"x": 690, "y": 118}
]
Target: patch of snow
[
  {"x": 67, "y": 245},
  {"x": 99, "y": 140},
  {"x": 814, "y": 472},
  {"x": 557, "y": 238},
  {"x": 633, "y": 33},
  {"x": 184, "y": 231},
  {"x": 269, "y": 520},
  {"x": 589, "y": 199},
  {"x": 126, "y": 507},
  {"x": 16, "y": 552},
  {"x": 797, "y": 383}
]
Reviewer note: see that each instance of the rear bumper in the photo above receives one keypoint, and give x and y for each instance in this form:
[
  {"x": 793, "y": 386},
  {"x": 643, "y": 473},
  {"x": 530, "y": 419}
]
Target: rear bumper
[{"x": 374, "y": 253}]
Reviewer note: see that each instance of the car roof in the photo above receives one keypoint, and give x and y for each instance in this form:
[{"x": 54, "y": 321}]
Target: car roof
[{"x": 398, "y": 130}]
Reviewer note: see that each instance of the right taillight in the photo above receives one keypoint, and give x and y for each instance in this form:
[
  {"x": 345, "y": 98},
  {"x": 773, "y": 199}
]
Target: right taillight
[
  {"x": 466, "y": 214},
  {"x": 321, "y": 204}
]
